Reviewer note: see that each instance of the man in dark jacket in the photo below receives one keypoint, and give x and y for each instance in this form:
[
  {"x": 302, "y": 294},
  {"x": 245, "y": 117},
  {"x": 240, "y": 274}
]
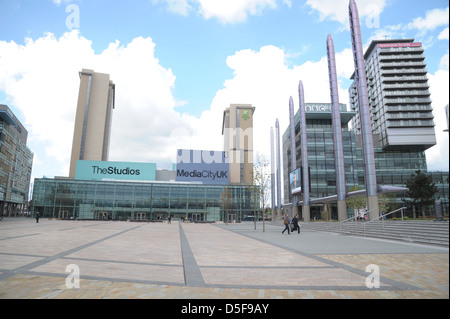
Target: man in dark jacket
[
  {"x": 295, "y": 223},
  {"x": 286, "y": 224}
]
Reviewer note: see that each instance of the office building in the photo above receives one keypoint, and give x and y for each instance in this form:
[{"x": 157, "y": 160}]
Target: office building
[
  {"x": 205, "y": 186},
  {"x": 16, "y": 161},
  {"x": 399, "y": 96},
  {"x": 392, "y": 167},
  {"x": 93, "y": 118},
  {"x": 237, "y": 129}
]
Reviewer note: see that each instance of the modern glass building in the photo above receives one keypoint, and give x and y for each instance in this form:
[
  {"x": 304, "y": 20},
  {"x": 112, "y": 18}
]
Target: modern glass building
[
  {"x": 392, "y": 167},
  {"x": 128, "y": 200},
  {"x": 16, "y": 161}
]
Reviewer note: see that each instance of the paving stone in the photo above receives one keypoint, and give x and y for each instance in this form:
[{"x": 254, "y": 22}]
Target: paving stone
[{"x": 201, "y": 261}]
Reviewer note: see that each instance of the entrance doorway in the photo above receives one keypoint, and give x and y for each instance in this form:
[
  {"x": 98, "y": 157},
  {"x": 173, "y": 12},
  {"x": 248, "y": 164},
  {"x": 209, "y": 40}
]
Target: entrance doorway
[
  {"x": 103, "y": 215},
  {"x": 197, "y": 217},
  {"x": 141, "y": 216},
  {"x": 231, "y": 218}
]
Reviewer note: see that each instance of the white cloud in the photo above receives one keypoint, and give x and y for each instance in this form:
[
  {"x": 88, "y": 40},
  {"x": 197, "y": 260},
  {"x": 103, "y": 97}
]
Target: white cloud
[
  {"x": 230, "y": 11},
  {"x": 337, "y": 10},
  {"x": 180, "y": 7},
  {"x": 444, "y": 34},
  {"x": 438, "y": 155},
  {"x": 433, "y": 19},
  {"x": 58, "y": 2},
  {"x": 41, "y": 80},
  {"x": 264, "y": 79},
  {"x": 443, "y": 65}
]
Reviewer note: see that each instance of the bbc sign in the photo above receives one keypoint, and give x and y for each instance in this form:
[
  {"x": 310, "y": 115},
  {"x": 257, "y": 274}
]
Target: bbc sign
[{"x": 206, "y": 167}]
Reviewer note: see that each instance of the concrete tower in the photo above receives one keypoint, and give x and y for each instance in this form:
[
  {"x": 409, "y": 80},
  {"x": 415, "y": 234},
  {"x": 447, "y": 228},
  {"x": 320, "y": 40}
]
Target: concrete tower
[
  {"x": 237, "y": 129},
  {"x": 93, "y": 118}
]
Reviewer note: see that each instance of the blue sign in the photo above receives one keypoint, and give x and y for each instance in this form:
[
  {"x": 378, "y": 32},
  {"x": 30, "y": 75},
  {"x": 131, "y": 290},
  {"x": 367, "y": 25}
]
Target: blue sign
[
  {"x": 98, "y": 170},
  {"x": 206, "y": 167}
]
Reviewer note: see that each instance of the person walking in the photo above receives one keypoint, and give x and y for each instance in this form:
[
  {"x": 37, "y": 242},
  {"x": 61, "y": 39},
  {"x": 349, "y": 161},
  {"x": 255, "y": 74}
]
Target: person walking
[
  {"x": 286, "y": 224},
  {"x": 37, "y": 217},
  {"x": 295, "y": 223}
]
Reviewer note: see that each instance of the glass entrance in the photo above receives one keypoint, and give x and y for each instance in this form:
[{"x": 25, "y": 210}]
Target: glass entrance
[{"x": 231, "y": 218}]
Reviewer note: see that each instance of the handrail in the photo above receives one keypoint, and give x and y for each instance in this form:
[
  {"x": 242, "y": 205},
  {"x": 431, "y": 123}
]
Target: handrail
[
  {"x": 354, "y": 217},
  {"x": 384, "y": 215}
]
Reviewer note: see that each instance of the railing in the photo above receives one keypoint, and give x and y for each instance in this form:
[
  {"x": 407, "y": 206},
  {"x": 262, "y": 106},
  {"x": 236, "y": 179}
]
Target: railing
[
  {"x": 354, "y": 217},
  {"x": 365, "y": 223},
  {"x": 383, "y": 218}
]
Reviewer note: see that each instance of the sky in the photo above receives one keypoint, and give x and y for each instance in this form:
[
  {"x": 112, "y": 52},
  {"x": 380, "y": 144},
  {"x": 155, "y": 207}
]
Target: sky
[{"x": 177, "y": 64}]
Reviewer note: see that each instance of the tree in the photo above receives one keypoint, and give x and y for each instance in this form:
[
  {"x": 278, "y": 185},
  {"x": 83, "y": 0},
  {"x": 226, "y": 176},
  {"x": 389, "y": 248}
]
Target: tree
[
  {"x": 356, "y": 202},
  {"x": 387, "y": 202},
  {"x": 421, "y": 191},
  {"x": 261, "y": 179}
]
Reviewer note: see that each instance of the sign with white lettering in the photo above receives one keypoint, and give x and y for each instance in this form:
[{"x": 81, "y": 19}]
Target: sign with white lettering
[
  {"x": 98, "y": 170},
  {"x": 206, "y": 167},
  {"x": 399, "y": 45}
]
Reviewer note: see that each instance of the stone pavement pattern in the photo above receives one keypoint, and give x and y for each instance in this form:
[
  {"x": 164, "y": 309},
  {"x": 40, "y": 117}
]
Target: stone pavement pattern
[{"x": 160, "y": 260}]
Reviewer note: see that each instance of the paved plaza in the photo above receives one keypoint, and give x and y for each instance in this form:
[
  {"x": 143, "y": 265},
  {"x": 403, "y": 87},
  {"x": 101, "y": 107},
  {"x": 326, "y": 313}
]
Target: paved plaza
[{"x": 193, "y": 261}]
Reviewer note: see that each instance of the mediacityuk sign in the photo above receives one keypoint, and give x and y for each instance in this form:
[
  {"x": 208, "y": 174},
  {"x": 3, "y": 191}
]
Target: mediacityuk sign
[{"x": 206, "y": 167}]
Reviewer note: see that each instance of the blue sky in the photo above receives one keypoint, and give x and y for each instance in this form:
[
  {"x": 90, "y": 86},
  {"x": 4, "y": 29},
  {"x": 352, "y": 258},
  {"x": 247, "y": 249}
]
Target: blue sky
[{"x": 178, "y": 63}]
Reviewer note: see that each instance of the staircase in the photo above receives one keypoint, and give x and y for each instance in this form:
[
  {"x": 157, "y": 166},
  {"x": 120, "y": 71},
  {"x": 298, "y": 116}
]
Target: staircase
[{"x": 423, "y": 232}]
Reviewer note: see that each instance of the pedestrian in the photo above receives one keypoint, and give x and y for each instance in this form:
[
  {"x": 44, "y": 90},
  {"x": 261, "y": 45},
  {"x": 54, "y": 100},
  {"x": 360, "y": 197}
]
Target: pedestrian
[
  {"x": 169, "y": 219},
  {"x": 37, "y": 217},
  {"x": 286, "y": 224},
  {"x": 295, "y": 223}
]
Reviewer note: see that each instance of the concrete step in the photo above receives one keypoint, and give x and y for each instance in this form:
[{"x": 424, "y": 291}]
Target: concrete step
[{"x": 427, "y": 232}]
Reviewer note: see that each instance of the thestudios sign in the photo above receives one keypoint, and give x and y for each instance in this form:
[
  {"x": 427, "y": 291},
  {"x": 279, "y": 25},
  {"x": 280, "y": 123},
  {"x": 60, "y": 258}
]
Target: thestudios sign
[
  {"x": 206, "y": 167},
  {"x": 97, "y": 170}
]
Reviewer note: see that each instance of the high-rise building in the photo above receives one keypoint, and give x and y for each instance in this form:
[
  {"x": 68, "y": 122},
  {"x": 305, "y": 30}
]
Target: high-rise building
[
  {"x": 392, "y": 167},
  {"x": 93, "y": 118},
  {"x": 237, "y": 129},
  {"x": 16, "y": 161},
  {"x": 399, "y": 96}
]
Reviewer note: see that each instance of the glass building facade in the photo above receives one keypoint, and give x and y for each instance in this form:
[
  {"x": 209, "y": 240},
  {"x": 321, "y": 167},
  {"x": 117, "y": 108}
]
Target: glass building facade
[
  {"x": 124, "y": 200},
  {"x": 393, "y": 167},
  {"x": 16, "y": 161}
]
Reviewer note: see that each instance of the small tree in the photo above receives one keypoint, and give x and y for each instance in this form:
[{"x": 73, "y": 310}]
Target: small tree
[
  {"x": 261, "y": 181},
  {"x": 356, "y": 202},
  {"x": 421, "y": 191},
  {"x": 387, "y": 202}
]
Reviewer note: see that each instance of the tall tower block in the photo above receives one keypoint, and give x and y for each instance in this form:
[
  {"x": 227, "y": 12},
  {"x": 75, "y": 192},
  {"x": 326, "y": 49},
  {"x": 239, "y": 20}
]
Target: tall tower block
[{"x": 93, "y": 118}]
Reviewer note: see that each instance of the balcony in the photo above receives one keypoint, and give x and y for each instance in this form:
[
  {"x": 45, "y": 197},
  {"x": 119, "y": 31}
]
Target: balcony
[
  {"x": 410, "y": 116},
  {"x": 397, "y": 57},
  {"x": 405, "y": 78},
  {"x": 405, "y": 86},
  {"x": 404, "y": 71},
  {"x": 389, "y": 93},
  {"x": 403, "y": 64},
  {"x": 407, "y": 101},
  {"x": 415, "y": 107},
  {"x": 410, "y": 123}
]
